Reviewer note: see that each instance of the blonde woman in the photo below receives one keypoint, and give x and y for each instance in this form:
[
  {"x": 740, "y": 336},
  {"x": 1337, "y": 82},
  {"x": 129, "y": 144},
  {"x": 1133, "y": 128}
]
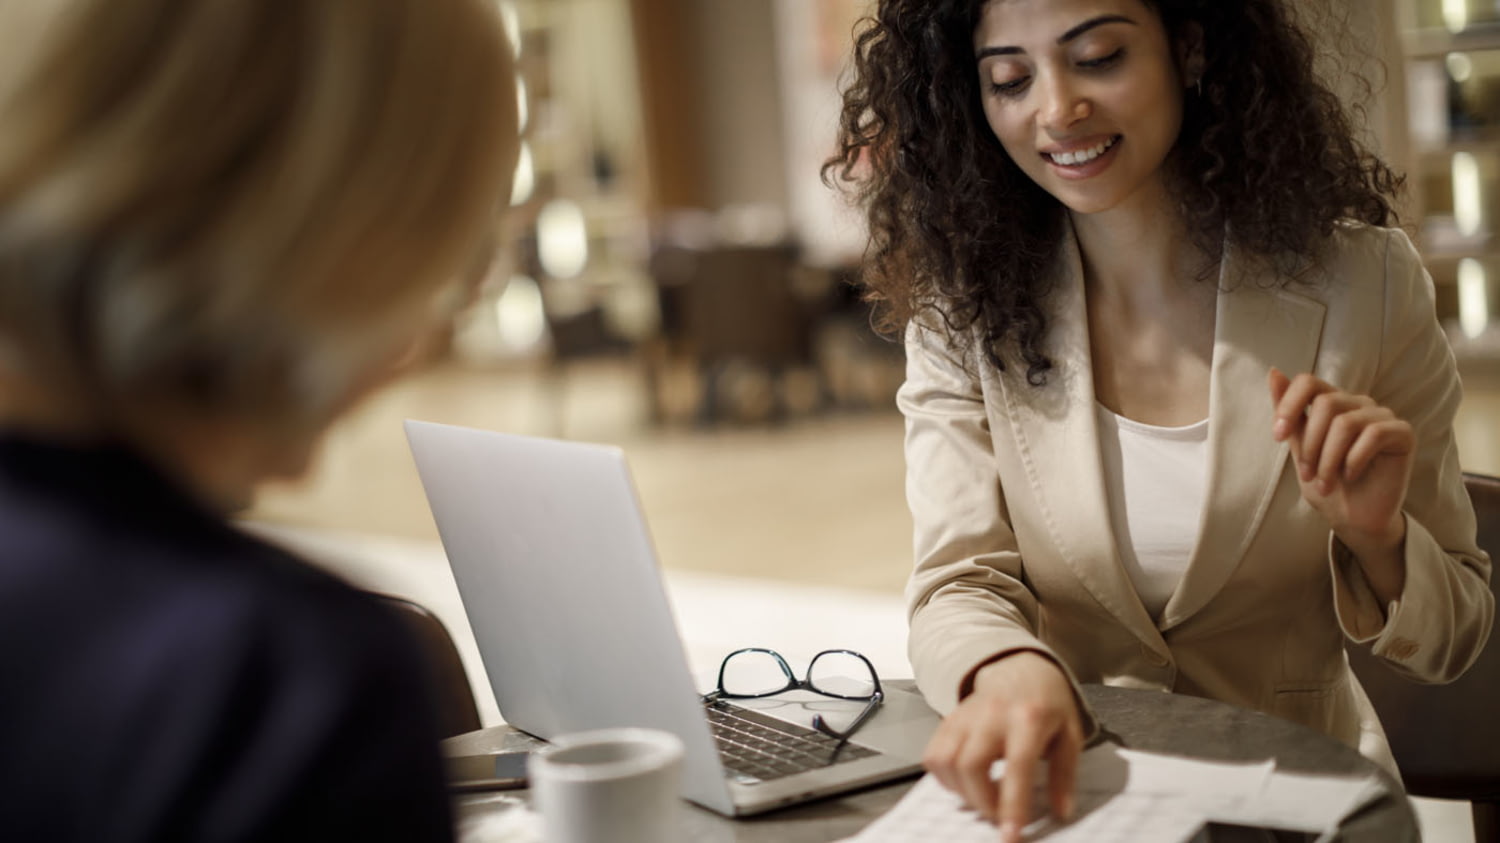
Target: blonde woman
[{"x": 222, "y": 223}]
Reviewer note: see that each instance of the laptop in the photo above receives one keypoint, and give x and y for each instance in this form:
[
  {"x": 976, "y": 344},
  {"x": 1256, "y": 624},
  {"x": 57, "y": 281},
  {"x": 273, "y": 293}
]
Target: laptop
[{"x": 557, "y": 574}]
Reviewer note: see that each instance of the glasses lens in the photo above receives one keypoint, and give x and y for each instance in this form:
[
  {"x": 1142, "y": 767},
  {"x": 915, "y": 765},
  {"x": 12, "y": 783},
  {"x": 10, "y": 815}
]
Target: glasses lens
[
  {"x": 751, "y": 674},
  {"x": 841, "y": 674}
]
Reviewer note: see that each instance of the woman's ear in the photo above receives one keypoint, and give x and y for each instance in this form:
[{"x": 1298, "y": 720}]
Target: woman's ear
[{"x": 1191, "y": 60}]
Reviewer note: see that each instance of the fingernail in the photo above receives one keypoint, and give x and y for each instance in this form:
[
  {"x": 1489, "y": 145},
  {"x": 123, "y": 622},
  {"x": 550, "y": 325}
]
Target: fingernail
[
  {"x": 1010, "y": 832},
  {"x": 1069, "y": 805},
  {"x": 1278, "y": 430},
  {"x": 1324, "y": 487}
]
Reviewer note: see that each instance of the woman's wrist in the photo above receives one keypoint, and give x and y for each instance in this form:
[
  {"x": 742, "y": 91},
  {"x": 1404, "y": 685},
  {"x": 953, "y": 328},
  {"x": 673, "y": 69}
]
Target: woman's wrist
[
  {"x": 1030, "y": 669},
  {"x": 1003, "y": 664},
  {"x": 1390, "y": 538},
  {"x": 1381, "y": 555}
]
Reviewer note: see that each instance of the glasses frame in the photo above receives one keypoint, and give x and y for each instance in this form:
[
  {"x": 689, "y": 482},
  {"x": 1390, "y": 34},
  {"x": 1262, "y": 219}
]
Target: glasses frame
[{"x": 872, "y": 700}]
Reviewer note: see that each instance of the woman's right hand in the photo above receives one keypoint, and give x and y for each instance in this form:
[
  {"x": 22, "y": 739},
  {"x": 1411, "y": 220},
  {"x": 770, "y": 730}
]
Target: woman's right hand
[{"x": 1021, "y": 709}]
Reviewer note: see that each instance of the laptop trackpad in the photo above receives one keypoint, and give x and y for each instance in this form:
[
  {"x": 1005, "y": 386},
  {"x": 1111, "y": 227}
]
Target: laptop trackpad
[{"x": 900, "y": 727}]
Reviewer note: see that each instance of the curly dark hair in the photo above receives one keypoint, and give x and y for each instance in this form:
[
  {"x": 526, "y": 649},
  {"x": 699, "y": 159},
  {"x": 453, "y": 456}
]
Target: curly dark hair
[{"x": 958, "y": 230}]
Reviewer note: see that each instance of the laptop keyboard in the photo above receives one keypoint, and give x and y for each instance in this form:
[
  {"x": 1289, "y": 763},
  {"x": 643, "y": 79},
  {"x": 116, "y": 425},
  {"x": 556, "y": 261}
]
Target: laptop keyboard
[{"x": 755, "y": 747}]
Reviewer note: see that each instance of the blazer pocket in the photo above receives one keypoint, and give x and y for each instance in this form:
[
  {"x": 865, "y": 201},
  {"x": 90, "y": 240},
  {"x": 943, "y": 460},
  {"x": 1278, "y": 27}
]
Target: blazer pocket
[{"x": 1325, "y": 706}]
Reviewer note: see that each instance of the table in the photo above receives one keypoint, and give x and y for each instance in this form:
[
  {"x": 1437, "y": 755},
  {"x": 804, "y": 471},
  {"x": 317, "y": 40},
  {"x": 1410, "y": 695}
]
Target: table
[{"x": 1147, "y": 720}]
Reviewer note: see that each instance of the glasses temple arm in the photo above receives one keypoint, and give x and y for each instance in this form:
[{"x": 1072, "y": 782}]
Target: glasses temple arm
[{"x": 822, "y": 725}]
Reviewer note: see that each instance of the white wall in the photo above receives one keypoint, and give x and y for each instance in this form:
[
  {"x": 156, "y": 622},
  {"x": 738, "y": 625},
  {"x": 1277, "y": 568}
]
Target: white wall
[
  {"x": 832, "y": 231},
  {"x": 739, "y": 102}
]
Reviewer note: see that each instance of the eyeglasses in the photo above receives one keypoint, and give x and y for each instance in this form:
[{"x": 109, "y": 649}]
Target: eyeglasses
[{"x": 755, "y": 672}]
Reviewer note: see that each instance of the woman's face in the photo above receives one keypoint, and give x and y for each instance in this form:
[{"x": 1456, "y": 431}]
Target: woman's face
[{"x": 1085, "y": 95}]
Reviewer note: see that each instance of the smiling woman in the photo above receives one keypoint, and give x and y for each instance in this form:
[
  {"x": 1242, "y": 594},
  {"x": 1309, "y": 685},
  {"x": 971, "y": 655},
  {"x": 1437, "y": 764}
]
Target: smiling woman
[
  {"x": 1178, "y": 409},
  {"x": 1063, "y": 106},
  {"x": 1265, "y": 148}
]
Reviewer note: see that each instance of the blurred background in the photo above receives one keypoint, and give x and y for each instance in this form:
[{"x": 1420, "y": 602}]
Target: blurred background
[{"x": 675, "y": 278}]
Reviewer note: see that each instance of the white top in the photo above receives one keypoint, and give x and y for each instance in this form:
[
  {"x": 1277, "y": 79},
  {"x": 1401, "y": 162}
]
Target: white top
[{"x": 1156, "y": 478}]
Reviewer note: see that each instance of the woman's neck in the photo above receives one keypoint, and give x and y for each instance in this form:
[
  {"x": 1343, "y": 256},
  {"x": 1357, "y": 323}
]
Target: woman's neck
[
  {"x": 1151, "y": 317},
  {"x": 1139, "y": 252},
  {"x": 220, "y": 462}
]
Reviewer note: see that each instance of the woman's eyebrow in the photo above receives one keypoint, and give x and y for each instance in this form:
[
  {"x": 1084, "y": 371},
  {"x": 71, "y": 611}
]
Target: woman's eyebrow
[{"x": 1062, "y": 39}]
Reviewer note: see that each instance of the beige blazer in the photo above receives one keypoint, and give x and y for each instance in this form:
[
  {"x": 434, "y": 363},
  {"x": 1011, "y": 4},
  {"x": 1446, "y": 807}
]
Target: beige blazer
[{"x": 1014, "y": 548}]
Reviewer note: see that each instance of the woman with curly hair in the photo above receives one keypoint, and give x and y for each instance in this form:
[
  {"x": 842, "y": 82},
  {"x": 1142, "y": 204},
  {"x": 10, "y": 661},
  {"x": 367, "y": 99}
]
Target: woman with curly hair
[{"x": 1179, "y": 411}]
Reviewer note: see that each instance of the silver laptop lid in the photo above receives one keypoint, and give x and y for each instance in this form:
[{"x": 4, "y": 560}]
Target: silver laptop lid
[{"x": 560, "y": 583}]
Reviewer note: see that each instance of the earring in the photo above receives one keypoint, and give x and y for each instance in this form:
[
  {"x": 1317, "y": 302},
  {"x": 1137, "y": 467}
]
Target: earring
[{"x": 1199, "y": 85}]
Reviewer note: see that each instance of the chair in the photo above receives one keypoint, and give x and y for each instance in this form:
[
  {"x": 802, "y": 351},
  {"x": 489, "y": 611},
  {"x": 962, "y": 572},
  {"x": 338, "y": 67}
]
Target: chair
[
  {"x": 1446, "y": 738},
  {"x": 457, "y": 712},
  {"x": 745, "y": 326}
]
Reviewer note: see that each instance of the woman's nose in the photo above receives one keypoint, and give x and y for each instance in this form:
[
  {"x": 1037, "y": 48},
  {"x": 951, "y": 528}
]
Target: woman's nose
[{"x": 1063, "y": 105}]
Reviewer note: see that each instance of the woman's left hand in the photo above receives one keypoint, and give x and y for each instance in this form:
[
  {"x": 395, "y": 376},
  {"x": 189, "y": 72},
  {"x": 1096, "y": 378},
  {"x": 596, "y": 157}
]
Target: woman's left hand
[{"x": 1354, "y": 459}]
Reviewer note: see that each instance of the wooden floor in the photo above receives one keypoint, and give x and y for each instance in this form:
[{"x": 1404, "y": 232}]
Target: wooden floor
[{"x": 816, "y": 499}]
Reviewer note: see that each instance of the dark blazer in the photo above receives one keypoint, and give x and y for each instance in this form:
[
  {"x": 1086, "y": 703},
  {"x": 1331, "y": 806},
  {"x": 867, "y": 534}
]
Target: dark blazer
[
  {"x": 1014, "y": 543},
  {"x": 166, "y": 677}
]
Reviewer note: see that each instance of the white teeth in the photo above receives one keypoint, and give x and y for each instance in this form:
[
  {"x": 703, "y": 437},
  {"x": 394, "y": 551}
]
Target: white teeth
[{"x": 1082, "y": 156}]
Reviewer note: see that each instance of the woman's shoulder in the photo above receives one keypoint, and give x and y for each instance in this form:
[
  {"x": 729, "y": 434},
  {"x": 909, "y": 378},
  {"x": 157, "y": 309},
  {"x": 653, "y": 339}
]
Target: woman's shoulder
[
  {"x": 238, "y": 607},
  {"x": 312, "y": 622},
  {"x": 1359, "y": 263},
  {"x": 232, "y": 668},
  {"x": 1362, "y": 241},
  {"x": 1368, "y": 275}
]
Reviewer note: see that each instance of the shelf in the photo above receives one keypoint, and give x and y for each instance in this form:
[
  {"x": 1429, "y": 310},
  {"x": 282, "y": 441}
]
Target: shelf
[
  {"x": 1438, "y": 245},
  {"x": 1450, "y": 255},
  {"x": 1441, "y": 153},
  {"x": 1483, "y": 350},
  {"x": 1437, "y": 43}
]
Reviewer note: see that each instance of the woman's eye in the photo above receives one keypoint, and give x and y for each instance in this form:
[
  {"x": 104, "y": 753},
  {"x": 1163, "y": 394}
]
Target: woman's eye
[
  {"x": 1103, "y": 61},
  {"x": 1010, "y": 87}
]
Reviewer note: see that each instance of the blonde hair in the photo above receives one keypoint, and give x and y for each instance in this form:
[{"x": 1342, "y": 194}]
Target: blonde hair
[{"x": 239, "y": 205}]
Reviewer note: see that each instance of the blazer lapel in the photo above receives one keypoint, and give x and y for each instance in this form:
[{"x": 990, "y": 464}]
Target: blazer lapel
[
  {"x": 1057, "y": 437},
  {"x": 1258, "y": 326}
]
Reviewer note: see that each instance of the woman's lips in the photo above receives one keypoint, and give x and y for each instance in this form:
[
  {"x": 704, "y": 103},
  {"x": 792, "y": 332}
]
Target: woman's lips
[{"x": 1086, "y": 162}]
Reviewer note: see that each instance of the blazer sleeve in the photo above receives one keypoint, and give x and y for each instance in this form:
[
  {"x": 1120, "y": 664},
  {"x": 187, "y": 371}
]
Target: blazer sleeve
[
  {"x": 967, "y": 598},
  {"x": 1442, "y": 619}
]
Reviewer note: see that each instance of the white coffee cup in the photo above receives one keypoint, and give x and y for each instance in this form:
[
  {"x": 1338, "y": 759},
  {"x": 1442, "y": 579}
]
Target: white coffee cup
[{"x": 608, "y": 786}]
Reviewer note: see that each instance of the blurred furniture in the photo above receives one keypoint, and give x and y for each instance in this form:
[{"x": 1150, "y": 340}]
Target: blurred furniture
[
  {"x": 733, "y": 313},
  {"x": 1146, "y": 720},
  {"x": 577, "y": 325},
  {"x": 574, "y": 337},
  {"x": 746, "y": 329},
  {"x": 457, "y": 712},
  {"x": 1446, "y": 738}
]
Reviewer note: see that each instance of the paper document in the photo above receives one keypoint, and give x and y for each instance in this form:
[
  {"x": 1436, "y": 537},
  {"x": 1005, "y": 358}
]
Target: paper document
[
  {"x": 1126, "y": 795},
  {"x": 1304, "y": 802}
]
